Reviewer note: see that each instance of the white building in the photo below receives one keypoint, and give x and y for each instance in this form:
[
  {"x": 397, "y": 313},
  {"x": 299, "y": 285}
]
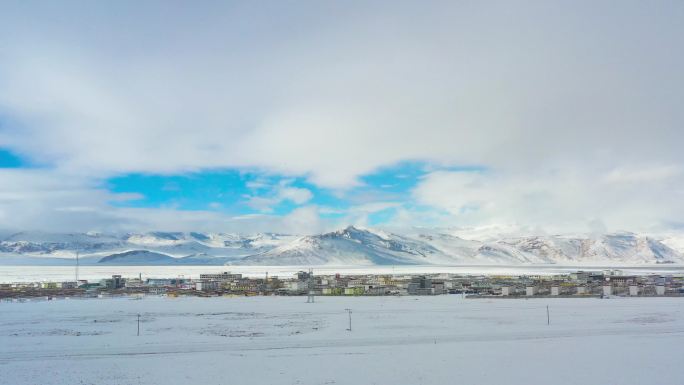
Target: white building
[
  {"x": 581, "y": 290},
  {"x": 157, "y": 290},
  {"x": 225, "y": 276},
  {"x": 506, "y": 290},
  {"x": 297, "y": 285},
  {"x": 607, "y": 290},
  {"x": 633, "y": 290},
  {"x": 530, "y": 290},
  {"x": 660, "y": 290},
  {"x": 207, "y": 285},
  {"x": 555, "y": 290},
  {"x": 134, "y": 282}
]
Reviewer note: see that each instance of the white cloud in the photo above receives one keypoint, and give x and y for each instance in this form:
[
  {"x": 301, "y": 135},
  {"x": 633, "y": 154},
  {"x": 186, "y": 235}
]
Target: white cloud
[
  {"x": 43, "y": 200},
  {"x": 559, "y": 200},
  {"x": 282, "y": 191},
  {"x": 503, "y": 85},
  {"x": 296, "y": 195},
  {"x": 360, "y": 215},
  {"x": 332, "y": 91},
  {"x": 373, "y": 207},
  {"x": 643, "y": 174}
]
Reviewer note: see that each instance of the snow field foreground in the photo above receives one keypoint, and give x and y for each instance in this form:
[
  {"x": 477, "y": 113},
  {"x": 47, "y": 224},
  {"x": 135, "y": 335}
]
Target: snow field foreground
[{"x": 394, "y": 340}]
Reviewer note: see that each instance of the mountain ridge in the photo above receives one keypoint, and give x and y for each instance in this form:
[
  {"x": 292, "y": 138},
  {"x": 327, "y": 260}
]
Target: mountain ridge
[{"x": 349, "y": 246}]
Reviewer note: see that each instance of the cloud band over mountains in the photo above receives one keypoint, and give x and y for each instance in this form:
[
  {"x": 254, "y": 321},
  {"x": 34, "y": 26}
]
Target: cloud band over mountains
[{"x": 552, "y": 115}]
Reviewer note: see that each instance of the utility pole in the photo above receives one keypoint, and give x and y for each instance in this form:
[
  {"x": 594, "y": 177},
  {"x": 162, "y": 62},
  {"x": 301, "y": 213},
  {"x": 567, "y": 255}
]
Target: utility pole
[
  {"x": 311, "y": 286},
  {"x": 548, "y": 318},
  {"x": 77, "y": 268},
  {"x": 350, "y": 312},
  {"x": 266, "y": 286},
  {"x": 138, "y": 324}
]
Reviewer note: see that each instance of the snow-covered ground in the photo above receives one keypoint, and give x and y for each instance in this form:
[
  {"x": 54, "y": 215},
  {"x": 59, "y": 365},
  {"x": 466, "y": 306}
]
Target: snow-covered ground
[
  {"x": 394, "y": 340},
  {"x": 348, "y": 246},
  {"x": 95, "y": 273}
]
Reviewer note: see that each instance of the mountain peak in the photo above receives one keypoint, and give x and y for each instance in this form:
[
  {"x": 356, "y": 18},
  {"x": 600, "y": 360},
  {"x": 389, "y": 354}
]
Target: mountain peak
[
  {"x": 350, "y": 245},
  {"x": 353, "y": 229}
]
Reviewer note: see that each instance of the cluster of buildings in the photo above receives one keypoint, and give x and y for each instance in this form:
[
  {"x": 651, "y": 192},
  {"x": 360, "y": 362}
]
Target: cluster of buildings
[
  {"x": 603, "y": 284},
  {"x": 580, "y": 283}
]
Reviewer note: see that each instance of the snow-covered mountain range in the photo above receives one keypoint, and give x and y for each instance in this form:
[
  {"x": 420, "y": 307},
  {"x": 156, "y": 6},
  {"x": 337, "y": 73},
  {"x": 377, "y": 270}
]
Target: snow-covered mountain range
[{"x": 349, "y": 246}]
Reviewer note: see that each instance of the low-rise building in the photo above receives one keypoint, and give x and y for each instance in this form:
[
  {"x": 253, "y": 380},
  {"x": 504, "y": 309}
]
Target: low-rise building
[
  {"x": 607, "y": 290},
  {"x": 377, "y": 290},
  {"x": 134, "y": 283},
  {"x": 333, "y": 291},
  {"x": 116, "y": 282},
  {"x": 225, "y": 276},
  {"x": 422, "y": 285},
  {"x": 69, "y": 285},
  {"x": 207, "y": 285},
  {"x": 355, "y": 290},
  {"x": 157, "y": 290},
  {"x": 49, "y": 285},
  {"x": 170, "y": 282},
  {"x": 297, "y": 286}
]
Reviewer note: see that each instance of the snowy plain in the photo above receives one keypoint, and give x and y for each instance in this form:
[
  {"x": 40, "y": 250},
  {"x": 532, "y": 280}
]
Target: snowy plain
[
  {"x": 394, "y": 340},
  {"x": 94, "y": 273}
]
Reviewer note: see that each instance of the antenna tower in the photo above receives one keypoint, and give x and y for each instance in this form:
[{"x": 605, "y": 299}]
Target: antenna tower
[{"x": 310, "y": 298}]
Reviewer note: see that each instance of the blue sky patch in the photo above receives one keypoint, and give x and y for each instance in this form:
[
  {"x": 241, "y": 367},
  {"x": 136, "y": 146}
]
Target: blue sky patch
[
  {"x": 9, "y": 159},
  {"x": 240, "y": 192}
]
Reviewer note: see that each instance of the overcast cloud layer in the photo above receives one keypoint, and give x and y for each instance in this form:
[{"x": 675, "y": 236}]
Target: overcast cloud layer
[{"x": 571, "y": 111}]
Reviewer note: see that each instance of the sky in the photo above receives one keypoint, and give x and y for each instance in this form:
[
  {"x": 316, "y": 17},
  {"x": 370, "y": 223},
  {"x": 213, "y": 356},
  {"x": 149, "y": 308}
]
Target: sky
[{"x": 306, "y": 116}]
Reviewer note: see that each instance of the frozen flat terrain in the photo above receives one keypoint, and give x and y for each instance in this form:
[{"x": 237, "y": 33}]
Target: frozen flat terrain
[
  {"x": 395, "y": 340},
  {"x": 95, "y": 273}
]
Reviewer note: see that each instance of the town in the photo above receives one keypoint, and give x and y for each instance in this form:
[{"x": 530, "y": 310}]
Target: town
[{"x": 600, "y": 284}]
